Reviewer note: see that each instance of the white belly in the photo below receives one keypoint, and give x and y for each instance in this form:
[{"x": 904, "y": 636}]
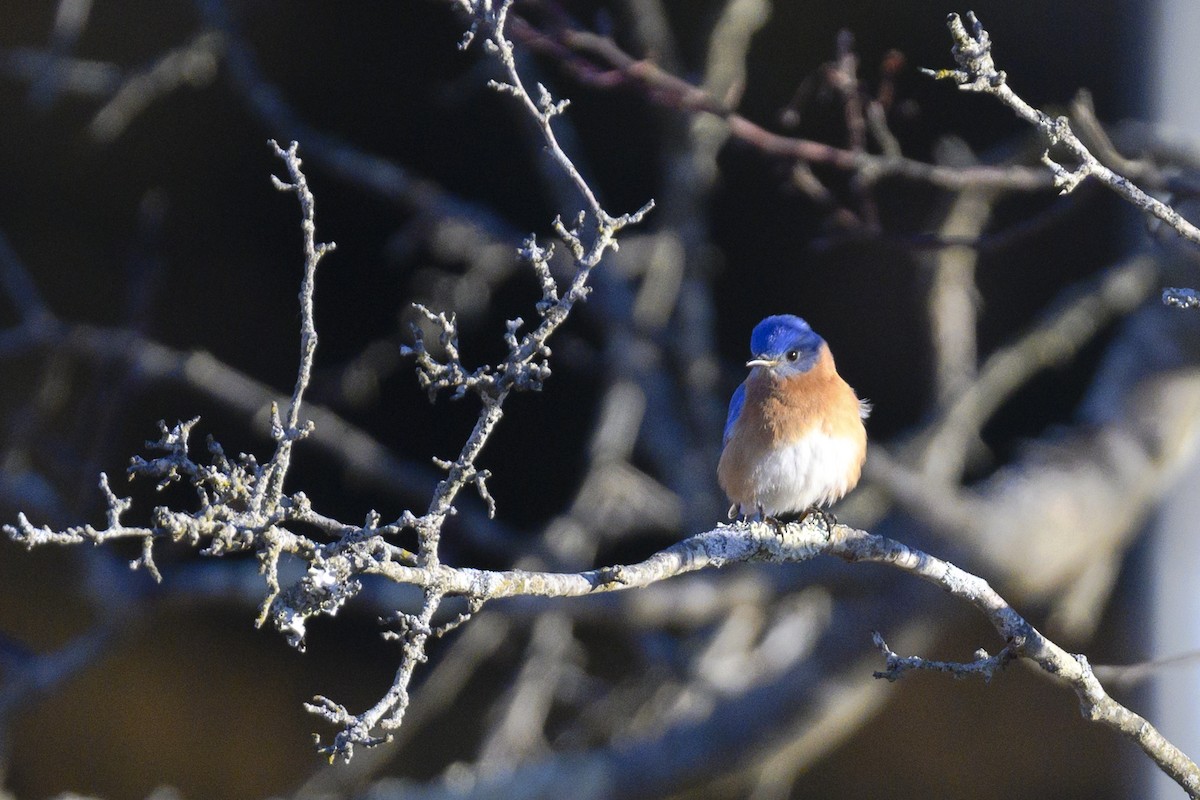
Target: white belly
[{"x": 816, "y": 470}]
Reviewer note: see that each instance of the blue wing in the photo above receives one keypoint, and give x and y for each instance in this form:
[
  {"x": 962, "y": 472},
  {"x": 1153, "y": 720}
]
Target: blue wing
[{"x": 735, "y": 409}]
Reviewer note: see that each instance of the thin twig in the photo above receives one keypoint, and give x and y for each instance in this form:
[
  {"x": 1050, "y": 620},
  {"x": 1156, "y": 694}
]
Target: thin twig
[
  {"x": 984, "y": 665},
  {"x": 977, "y": 73},
  {"x": 292, "y": 431},
  {"x": 598, "y": 61}
]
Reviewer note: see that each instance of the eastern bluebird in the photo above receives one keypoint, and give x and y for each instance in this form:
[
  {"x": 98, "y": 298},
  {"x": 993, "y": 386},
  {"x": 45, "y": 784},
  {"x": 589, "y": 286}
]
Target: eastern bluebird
[{"x": 794, "y": 438}]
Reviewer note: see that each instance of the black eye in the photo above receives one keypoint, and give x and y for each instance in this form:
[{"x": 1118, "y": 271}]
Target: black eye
[{"x": 792, "y": 355}]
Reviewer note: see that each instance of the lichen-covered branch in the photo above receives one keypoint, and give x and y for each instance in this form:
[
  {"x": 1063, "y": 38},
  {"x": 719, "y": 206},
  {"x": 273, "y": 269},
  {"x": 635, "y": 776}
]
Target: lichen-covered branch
[
  {"x": 984, "y": 665},
  {"x": 339, "y": 563},
  {"x": 287, "y": 433},
  {"x": 314, "y": 564},
  {"x": 242, "y": 504},
  {"x": 1024, "y": 640},
  {"x": 977, "y": 72}
]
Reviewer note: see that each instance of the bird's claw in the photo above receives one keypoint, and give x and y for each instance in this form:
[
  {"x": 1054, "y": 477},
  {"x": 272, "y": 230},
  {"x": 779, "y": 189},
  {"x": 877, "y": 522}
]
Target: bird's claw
[{"x": 825, "y": 519}]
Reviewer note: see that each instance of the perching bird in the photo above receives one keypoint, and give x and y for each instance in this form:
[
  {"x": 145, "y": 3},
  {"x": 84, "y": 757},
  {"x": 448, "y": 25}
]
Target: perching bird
[{"x": 794, "y": 438}]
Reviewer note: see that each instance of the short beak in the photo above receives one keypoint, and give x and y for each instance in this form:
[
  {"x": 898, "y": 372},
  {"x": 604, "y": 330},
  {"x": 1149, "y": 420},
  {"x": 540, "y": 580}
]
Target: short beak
[{"x": 761, "y": 362}]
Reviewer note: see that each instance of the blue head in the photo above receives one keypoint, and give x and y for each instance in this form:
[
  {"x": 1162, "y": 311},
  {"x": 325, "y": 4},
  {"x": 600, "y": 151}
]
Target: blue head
[{"x": 785, "y": 345}]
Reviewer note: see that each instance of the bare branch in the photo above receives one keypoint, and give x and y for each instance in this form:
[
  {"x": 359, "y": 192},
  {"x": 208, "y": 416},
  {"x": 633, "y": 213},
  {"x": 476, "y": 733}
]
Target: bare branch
[
  {"x": 242, "y": 506},
  {"x": 1052, "y": 341},
  {"x": 291, "y": 431},
  {"x": 984, "y": 665},
  {"x": 193, "y": 64},
  {"x": 582, "y": 51},
  {"x": 977, "y": 73}
]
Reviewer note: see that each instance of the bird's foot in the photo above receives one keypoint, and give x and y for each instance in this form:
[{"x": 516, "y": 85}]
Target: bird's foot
[
  {"x": 775, "y": 523},
  {"x": 760, "y": 515},
  {"x": 825, "y": 519},
  {"x": 772, "y": 520}
]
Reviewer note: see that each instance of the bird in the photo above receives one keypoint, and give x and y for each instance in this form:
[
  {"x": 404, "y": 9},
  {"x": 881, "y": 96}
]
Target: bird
[{"x": 795, "y": 439}]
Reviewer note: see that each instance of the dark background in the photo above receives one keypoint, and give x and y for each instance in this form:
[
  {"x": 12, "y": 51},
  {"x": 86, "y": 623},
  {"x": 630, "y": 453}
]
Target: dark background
[{"x": 173, "y": 230}]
